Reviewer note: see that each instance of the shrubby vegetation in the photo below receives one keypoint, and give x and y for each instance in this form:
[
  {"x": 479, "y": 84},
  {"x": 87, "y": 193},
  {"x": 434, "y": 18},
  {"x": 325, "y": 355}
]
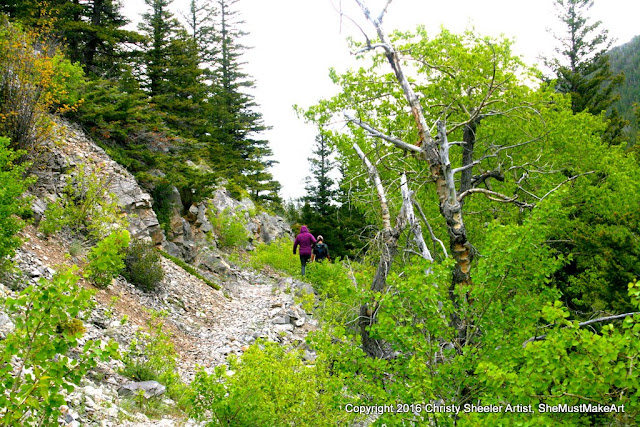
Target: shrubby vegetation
[
  {"x": 142, "y": 265},
  {"x": 230, "y": 227},
  {"x": 12, "y": 203},
  {"x": 35, "y": 79},
  {"x": 86, "y": 207},
  {"x": 152, "y": 356},
  {"x": 41, "y": 358},
  {"x": 270, "y": 385},
  {"x": 106, "y": 259}
]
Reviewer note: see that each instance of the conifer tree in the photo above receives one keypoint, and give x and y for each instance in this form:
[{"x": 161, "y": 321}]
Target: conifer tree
[
  {"x": 172, "y": 69},
  {"x": 92, "y": 31},
  {"x": 234, "y": 144},
  {"x": 582, "y": 68},
  {"x": 320, "y": 191},
  {"x": 159, "y": 26}
]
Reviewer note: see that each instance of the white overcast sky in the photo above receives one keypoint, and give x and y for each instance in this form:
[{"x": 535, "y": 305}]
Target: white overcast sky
[{"x": 295, "y": 42}]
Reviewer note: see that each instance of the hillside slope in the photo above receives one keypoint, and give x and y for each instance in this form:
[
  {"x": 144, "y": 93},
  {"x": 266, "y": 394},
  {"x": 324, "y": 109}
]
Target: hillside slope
[
  {"x": 206, "y": 324},
  {"x": 626, "y": 59}
]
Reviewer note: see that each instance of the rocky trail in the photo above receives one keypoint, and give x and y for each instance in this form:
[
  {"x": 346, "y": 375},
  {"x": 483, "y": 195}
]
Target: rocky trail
[{"x": 206, "y": 325}]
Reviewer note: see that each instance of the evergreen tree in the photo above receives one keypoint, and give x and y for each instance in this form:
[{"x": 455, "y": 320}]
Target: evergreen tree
[
  {"x": 92, "y": 30},
  {"x": 200, "y": 20},
  {"x": 320, "y": 191},
  {"x": 233, "y": 145},
  {"x": 159, "y": 26},
  {"x": 583, "y": 68},
  {"x": 172, "y": 70}
]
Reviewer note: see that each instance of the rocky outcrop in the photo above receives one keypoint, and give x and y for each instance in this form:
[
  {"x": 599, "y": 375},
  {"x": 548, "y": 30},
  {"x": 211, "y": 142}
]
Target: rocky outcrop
[
  {"x": 69, "y": 148},
  {"x": 192, "y": 236},
  {"x": 262, "y": 227}
]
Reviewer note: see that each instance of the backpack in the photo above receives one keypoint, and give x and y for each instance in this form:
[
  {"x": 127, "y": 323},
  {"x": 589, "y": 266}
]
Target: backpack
[{"x": 321, "y": 251}]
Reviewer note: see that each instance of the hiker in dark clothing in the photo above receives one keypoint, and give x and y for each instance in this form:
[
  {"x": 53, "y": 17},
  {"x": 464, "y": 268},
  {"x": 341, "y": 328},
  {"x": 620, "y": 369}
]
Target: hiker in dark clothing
[
  {"x": 320, "y": 251},
  {"x": 306, "y": 241}
]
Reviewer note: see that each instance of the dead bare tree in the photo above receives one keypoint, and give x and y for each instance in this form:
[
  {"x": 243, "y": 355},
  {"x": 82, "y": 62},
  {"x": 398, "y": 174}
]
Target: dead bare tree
[{"x": 433, "y": 151}]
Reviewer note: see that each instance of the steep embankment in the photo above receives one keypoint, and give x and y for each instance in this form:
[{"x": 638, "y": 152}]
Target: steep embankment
[{"x": 206, "y": 324}]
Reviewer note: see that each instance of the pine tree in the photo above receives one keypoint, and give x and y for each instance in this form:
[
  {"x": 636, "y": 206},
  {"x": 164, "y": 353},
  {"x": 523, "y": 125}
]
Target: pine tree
[
  {"x": 320, "y": 191},
  {"x": 200, "y": 20},
  {"x": 159, "y": 26},
  {"x": 92, "y": 31},
  {"x": 234, "y": 146},
  {"x": 583, "y": 68},
  {"x": 172, "y": 70}
]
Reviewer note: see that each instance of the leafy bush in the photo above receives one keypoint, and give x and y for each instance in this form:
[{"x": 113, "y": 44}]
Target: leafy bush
[
  {"x": 143, "y": 267},
  {"x": 230, "y": 227},
  {"x": 35, "y": 360},
  {"x": 279, "y": 255},
  {"x": 86, "y": 207},
  {"x": 34, "y": 79},
  {"x": 106, "y": 259},
  {"x": 162, "y": 205},
  {"x": 11, "y": 202},
  {"x": 270, "y": 386}
]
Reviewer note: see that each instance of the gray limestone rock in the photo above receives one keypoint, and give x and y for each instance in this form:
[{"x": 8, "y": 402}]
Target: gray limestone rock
[
  {"x": 6, "y": 325},
  {"x": 149, "y": 388}
]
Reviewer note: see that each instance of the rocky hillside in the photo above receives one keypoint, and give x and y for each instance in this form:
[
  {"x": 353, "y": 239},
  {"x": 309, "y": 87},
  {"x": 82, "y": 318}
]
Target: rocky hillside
[{"x": 206, "y": 324}]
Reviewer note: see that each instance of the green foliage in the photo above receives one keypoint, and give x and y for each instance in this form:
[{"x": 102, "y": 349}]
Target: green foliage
[
  {"x": 41, "y": 359},
  {"x": 31, "y": 86},
  {"x": 106, "y": 259},
  {"x": 152, "y": 356},
  {"x": 582, "y": 68},
  {"x": 189, "y": 269},
  {"x": 230, "y": 227},
  {"x": 12, "y": 204},
  {"x": 162, "y": 205},
  {"x": 625, "y": 59},
  {"x": 572, "y": 366},
  {"x": 270, "y": 385},
  {"x": 142, "y": 265},
  {"x": 86, "y": 206},
  {"x": 278, "y": 255}
]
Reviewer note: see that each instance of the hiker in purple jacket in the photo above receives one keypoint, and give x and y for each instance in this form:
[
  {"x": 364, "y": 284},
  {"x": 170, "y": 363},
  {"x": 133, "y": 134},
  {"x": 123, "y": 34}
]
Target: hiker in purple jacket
[{"x": 306, "y": 241}]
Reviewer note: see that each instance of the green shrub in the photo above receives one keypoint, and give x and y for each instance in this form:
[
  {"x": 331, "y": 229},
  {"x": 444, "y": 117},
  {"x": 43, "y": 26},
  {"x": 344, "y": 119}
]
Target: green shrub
[
  {"x": 35, "y": 365},
  {"x": 279, "y": 255},
  {"x": 106, "y": 259},
  {"x": 143, "y": 268},
  {"x": 270, "y": 386},
  {"x": 33, "y": 85},
  {"x": 86, "y": 207},
  {"x": 11, "y": 203},
  {"x": 162, "y": 205},
  {"x": 230, "y": 227}
]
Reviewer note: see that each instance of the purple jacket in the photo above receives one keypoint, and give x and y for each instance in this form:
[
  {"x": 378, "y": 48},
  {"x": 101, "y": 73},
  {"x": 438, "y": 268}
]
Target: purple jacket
[{"x": 305, "y": 240}]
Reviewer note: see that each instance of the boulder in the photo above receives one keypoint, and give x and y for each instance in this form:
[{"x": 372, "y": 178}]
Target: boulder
[
  {"x": 149, "y": 388},
  {"x": 6, "y": 326}
]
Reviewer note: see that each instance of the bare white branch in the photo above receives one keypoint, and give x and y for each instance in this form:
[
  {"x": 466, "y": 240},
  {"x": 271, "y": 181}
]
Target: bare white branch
[
  {"x": 378, "y": 134},
  {"x": 411, "y": 219},
  {"x": 564, "y": 182},
  {"x": 384, "y": 10},
  {"x": 500, "y": 197},
  {"x": 377, "y": 183}
]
